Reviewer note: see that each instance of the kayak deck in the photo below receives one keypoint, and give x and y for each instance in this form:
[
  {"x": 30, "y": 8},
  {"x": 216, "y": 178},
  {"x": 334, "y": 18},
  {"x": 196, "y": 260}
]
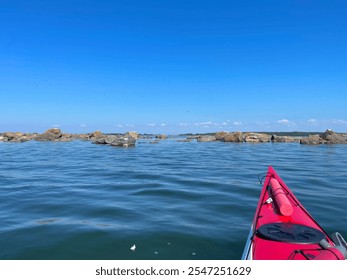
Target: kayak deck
[{"x": 283, "y": 229}]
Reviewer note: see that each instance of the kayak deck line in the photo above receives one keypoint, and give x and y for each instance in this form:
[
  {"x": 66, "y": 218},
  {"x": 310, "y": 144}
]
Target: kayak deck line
[{"x": 283, "y": 229}]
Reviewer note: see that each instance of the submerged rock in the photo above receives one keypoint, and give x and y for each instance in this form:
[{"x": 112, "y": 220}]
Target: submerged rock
[
  {"x": 184, "y": 140},
  {"x": 206, "y": 138}
]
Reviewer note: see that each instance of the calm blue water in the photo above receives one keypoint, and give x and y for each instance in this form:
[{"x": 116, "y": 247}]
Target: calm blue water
[{"x": 172, "y": 200}]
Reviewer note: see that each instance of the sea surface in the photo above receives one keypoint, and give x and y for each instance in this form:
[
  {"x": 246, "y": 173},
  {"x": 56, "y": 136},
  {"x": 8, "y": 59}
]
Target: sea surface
[{"x": 171, "y": 200}]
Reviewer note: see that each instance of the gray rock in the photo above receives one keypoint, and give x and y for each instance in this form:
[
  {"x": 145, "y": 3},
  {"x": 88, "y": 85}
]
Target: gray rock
[
  {"x": 333, "y": 138},
  {"x": 96, "y": 135},
  {"x": 256, "y": 137},
  {"x": 12, "y": 135},
  {"x": 206, "y": 138},
  {"x": 115, "y": 140},
  {"x": 284, "y": 139},
  {"x": 233, "y": 137},
  {"x": 124, "y": 142},
  {"x": 312, "y": 140},
  {"x": 52, "y": 134},
  {"x": 83, "y": 137},
  {"x": 184, "y": 140},
  {"x": 16, "y": 137},
  {"x": 161, "y": 136},
  {"x": 327, "y": 137},
  {"x": 220, "y": 135},
  {"x": 132, "y": 134}
]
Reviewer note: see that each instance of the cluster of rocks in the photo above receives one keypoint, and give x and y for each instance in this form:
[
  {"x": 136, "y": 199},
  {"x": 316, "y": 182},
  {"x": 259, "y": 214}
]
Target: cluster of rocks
[
  {"x": 129, "y": 139},
  {"x": 328, "y": 137},
  {"x": 16, "y": 137},
  {"x": 239, "y": 137},
  {"x": 56, "y": 135},
  {"x": 118, "y": 140}
]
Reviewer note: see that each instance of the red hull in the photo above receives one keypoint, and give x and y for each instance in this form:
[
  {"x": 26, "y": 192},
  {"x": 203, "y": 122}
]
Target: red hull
[{"x": 282, "y": 228}]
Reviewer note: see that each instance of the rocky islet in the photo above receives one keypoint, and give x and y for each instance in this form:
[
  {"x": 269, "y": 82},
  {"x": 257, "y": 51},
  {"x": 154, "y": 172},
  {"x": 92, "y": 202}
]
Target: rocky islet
[{"x": 129, "y": 139}]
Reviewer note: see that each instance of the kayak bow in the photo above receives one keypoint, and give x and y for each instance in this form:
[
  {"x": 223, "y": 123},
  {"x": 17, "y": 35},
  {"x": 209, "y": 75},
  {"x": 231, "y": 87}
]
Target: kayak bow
[{"x": 282, "y": 228}]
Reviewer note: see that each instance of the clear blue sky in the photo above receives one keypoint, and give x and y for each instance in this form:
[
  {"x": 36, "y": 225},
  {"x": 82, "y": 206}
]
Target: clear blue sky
[{"x": 173, "y": 66}]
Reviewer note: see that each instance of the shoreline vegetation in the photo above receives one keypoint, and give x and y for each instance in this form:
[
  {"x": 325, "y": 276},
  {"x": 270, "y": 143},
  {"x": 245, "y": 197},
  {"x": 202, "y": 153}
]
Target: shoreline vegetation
[{"x": 130, "y": 138}]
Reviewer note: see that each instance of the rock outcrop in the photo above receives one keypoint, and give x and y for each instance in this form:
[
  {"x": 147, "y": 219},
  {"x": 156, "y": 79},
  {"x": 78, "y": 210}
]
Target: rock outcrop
[
  {"x": 312, "y": 140},
  {"x": 161, "y": 136},
  {"x": 132, "y": 134},
  {"x": 96, "y": 135},
  {"x": 16, "y": 137},
  {"x": 56, "y": 135},
  {"x": 220, "y": 135},
  {"x": 332, "y": 137},
  {"x": 284, "y": 139},
  {"x": 256, "y": 137},
  {"x": 232, "y": 137},
  {"x": 116, "y": 140},
  {"x": 52, "y": 134},
  {"x": 129, "y": 139},
  {"x": 327, "y": 137}
]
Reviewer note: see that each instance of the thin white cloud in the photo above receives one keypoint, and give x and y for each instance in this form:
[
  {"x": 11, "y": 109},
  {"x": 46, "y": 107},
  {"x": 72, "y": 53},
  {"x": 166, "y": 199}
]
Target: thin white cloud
[
  {"x": 152, "y": 124},
  {"x": 204, "y": 124},
  {"x": 163, "y": 124},
  {"x": 340, "y": 122},
  {"x": 312, "y": 122},
  {"x": 56, "y": 125},
  {"x": 237, "y": 123},
  {"x": 286, "y": 122},
  {"x": 126, "y": 125},
  {"x": 183, "y": 124},
  {"x": 83, "y": 125},
  {"x": 210, "y": 123}
]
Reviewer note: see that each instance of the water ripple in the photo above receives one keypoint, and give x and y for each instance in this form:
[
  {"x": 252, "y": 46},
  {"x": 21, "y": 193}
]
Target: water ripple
[{"x": 173, "y": 200}]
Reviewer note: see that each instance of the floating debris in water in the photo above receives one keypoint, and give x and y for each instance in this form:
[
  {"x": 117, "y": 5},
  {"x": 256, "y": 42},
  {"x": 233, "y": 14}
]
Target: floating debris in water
[
  {"x": 194, "y": 254},
  {"x": 156, "y": 253},
  {"x": 133, "y": 248}
]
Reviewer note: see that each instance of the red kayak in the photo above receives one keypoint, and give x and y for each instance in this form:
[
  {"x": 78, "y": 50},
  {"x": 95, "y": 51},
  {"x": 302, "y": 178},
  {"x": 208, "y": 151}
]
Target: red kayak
[{"x": 282, "y": 228}]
